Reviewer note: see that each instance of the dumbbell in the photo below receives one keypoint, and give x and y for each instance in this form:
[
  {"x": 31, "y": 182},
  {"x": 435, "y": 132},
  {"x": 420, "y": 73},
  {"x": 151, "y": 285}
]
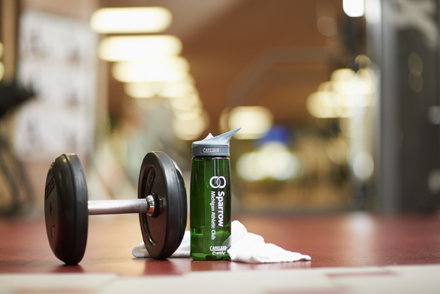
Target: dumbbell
[{"x": 161, "y": 205}]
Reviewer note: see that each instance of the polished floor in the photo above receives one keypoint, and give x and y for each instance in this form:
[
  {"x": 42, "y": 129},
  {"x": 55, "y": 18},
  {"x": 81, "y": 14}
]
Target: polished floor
[{"x": 345, "y": 248}]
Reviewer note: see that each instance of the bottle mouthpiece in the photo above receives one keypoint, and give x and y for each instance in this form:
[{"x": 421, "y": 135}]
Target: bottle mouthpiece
[{"x": 213, "y": 146}]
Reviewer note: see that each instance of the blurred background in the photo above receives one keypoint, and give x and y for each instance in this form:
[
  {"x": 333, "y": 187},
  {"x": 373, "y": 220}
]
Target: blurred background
[{"x": 338, "y": 100}]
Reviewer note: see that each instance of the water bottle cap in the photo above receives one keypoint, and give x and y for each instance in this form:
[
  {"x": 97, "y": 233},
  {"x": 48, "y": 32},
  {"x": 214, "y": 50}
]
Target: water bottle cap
[{"x": 213, "y": 146}]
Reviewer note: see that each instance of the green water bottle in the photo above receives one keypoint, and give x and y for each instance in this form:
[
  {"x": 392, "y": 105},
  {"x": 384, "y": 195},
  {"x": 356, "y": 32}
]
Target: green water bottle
[{"x": 210, "y": 198}]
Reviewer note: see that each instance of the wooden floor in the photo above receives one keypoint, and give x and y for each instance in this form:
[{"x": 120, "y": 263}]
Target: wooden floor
[{"x": 343, "y": 240}]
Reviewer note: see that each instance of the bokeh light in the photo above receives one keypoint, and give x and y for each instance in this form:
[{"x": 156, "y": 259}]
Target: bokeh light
[{"x": 130, "y": 20}]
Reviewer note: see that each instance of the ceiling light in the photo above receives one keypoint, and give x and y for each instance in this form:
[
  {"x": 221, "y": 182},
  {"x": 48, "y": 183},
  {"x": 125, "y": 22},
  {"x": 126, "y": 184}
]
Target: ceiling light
[
  {"x": 130, "y": 20},
  {"x": 187, "y": 114},
  {"x": 123, "y": 74},
  {"x": 255, "y": 121},
  {"x": 186, "y": 102},
  {"x": 140, "y": 90},
  {"x": 322, "y": 104},
  {"x": 191, "y": 128},
  {"x": 163, "y": 69},
  {"x": 353, "y": 8},
  {"x": 342, "y": 75},
  {"x": 176, "y": 89},
  {"x": 125, "y": 48}
]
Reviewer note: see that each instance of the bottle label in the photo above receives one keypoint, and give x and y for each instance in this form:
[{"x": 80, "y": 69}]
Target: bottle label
[
  {"x": 210, "y": 208},
  {"x": 217, "y": 183},
  {"x": 218, "y": 250}
]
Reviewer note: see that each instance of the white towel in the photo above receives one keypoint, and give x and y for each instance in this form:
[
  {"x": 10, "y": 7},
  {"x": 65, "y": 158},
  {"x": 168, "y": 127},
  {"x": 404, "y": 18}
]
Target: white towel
[{"x": 245, "y": 247}]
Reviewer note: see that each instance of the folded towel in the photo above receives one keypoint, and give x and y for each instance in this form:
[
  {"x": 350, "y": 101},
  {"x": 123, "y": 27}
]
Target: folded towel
[{"x": 245, "y": 247}]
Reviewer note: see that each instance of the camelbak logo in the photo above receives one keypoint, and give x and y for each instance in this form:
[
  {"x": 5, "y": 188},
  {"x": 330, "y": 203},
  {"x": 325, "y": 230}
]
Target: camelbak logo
[
  {"x": 211, "y": 150},
  {"x": 217, "y": 182}
]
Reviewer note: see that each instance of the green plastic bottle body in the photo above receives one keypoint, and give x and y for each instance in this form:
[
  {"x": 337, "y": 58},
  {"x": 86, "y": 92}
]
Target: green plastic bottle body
[{"x": 210, "y": 208}]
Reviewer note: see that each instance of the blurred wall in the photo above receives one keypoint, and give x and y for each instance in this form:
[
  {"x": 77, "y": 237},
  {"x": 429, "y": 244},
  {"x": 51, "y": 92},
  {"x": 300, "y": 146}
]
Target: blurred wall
[{"x": 404, "y": 43}]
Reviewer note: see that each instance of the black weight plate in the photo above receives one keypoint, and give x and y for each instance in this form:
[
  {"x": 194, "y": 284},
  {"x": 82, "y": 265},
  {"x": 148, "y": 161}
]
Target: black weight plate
[
  {"x": 163, "y": 232},
  {"x": 65, "y": 208}
]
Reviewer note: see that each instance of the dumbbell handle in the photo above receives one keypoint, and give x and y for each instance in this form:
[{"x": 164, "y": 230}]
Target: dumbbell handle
[{"x": 119, "y": 206}]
